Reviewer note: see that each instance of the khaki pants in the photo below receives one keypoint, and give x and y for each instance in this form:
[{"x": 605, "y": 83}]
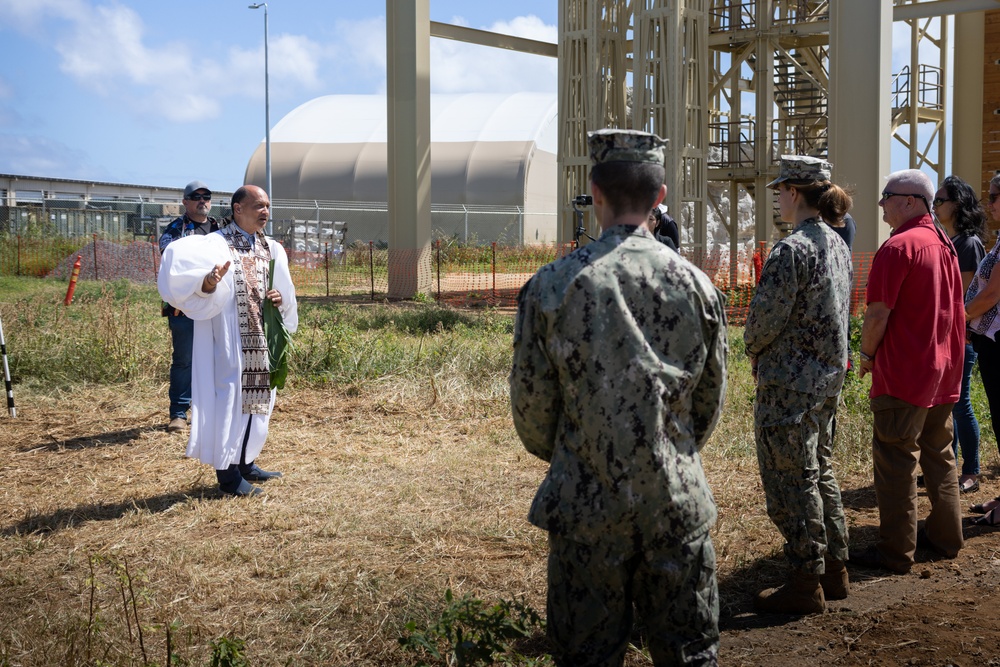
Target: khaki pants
[{"x": 904, "y": 435}]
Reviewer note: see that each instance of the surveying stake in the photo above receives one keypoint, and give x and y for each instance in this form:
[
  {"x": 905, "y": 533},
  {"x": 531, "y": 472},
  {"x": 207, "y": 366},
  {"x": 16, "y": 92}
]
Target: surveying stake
[{"x": 6, "y": 374}]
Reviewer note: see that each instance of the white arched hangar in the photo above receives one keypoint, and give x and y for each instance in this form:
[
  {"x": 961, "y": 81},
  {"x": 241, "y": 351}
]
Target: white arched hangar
[{"x": 493, "y": 160}]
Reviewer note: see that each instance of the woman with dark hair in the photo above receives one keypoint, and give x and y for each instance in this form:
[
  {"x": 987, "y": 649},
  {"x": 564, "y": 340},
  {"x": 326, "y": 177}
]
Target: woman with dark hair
[
  {"x": 958, "y": 210},
  {"x": 664, "y": 227},
  {"x": 983, "y": 315}
]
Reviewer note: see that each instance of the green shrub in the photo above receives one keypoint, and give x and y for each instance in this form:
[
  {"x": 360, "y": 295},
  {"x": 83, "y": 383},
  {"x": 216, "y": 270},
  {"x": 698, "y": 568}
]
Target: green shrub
[{"x": 468, "y": 632}]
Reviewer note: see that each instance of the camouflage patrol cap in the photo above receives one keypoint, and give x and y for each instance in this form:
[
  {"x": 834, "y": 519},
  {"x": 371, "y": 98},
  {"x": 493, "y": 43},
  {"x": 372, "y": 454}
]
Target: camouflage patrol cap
[
  {"x": 611, "y": 145},
  {"x": 802, "y": 168}
]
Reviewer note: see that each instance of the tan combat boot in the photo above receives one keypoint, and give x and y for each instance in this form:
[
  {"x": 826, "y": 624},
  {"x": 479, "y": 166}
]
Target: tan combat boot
[
  {"x": 835, "y": 583},
  {"x": 802, "y": 594}
]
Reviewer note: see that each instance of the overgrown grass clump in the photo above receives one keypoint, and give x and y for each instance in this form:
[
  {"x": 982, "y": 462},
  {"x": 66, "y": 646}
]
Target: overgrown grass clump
[{"x": 113, "y": 332}]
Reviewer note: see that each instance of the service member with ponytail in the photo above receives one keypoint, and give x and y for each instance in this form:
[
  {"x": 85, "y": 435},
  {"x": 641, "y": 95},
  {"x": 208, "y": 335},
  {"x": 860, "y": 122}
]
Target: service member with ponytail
[{"x": 797, "y": 340}]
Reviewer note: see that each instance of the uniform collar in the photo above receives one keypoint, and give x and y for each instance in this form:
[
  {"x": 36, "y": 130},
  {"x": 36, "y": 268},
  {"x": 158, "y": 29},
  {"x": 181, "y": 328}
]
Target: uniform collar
[{"x": 627, "y": 230}]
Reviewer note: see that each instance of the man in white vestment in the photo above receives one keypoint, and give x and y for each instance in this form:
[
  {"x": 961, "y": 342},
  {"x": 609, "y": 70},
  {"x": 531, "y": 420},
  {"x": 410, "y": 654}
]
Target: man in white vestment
[{"x": 220, "y": 281}]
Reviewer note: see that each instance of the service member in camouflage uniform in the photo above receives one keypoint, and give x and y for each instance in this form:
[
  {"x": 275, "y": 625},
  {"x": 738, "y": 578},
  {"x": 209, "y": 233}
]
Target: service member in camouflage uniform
[
  {"x": 618, "y": 379},
  {"x": 797, "y": 339}
]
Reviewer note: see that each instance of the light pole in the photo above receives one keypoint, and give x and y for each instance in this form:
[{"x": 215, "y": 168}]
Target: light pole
[{"x": 267, "y": 115}]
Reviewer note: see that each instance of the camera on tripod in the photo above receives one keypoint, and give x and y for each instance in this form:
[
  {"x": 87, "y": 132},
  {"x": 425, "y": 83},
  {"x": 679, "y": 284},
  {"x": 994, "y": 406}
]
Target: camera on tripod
[{"x": 581, "y": 200}]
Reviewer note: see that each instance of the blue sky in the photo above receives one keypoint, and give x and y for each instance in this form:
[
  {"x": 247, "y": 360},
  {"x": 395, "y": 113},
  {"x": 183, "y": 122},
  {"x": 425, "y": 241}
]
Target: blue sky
[{"x": 160, "y": 92}]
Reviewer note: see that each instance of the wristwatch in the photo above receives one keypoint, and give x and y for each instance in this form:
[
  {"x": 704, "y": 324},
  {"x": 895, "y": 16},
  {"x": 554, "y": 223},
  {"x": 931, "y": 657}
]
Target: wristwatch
[{"x": 867, "y": 357}]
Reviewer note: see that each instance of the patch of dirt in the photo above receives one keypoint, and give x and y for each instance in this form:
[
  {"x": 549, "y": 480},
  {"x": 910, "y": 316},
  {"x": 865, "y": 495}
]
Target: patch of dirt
[
  {"x": 940, "y": 613},
  {"x": 386, "y": 502}
]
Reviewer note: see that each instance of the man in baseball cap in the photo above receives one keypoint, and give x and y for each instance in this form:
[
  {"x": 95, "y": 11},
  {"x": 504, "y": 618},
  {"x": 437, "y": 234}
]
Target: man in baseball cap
[{"x": 197, "y": 205}]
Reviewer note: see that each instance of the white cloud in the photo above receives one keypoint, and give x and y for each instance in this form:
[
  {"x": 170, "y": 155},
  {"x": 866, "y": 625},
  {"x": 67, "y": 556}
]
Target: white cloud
[
  {"x": 360, "y": 49},
  {"x": 461, "y": 67},
  {"x": 529, "y": 27},
  {"x": 455, "y": 66},
  {"x": 37, "y": 155},
  {"x": 30, "y": 16},
  {"x": 105, "y": 49}
]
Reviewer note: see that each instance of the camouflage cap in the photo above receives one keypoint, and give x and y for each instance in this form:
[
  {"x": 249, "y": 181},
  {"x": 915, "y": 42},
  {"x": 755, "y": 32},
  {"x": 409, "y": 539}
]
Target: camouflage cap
[
  {"x": 802, "y": 168},
  {"x": 611, "y": 145}
]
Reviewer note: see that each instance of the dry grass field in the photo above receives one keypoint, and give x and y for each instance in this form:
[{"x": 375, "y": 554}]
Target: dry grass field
[{"x": 403, "y": 479}]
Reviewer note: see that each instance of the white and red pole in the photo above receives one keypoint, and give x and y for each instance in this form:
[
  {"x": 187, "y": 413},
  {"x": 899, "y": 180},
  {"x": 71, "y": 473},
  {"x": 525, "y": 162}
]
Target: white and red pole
[{"x": 6, "y": 374}]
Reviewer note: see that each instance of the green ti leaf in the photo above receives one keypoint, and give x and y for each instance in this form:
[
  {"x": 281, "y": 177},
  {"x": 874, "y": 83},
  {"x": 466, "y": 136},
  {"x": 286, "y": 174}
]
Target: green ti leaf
[{"x": 279, "y": 341}]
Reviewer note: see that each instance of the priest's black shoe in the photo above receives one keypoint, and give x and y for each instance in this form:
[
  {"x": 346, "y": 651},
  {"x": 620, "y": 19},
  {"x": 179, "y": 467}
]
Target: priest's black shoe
[
  {"x": 253, "y": 473},
  {"x": 244, "y": 488}
]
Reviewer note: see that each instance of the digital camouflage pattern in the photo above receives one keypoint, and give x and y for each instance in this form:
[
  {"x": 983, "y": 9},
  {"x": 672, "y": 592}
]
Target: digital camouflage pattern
[
  {"x": 591, "y": 590},
  {"x": 618, "y": 378},
  {"x": 797, "y": 330},
  {"x": 797, "y": 324},
  {"x": 625, "y": 146},
  {"x": 794, "y": 435},
  {"x": 802, "y": 168}
]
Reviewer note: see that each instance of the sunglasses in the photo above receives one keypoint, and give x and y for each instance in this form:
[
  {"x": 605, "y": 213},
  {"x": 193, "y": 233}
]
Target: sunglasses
[
  {"x": 993, "y": 196},
  {"x": 887, "y": 195},
  {"x": 938, "y": 201},
  {"x": 198, "y": 197}
]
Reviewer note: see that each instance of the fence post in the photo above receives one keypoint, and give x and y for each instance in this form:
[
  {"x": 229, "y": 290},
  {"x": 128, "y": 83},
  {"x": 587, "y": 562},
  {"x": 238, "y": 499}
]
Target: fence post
[
  {"x": 494, "y": 262},
  {"x": 95, "y": 256},
  {"x": 153, "y": 247},
  {"x": 371, "y": 265},
  {"x": 18, "y": 254},
  {"x": 439, "y": 268},
  {"x": 326, "y": 260}
]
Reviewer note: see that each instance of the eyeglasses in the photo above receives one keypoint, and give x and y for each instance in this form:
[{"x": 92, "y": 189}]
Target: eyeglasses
[
  {"x": 938, "y": 201},
  {"x": 887, "y": 195},
  {"x": 198, "y": 197},
  {"x": 993, "y": 196}
]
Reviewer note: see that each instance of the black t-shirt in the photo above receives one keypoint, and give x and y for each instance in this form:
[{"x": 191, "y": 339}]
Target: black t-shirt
[
  {"x": 970, "y": 251},
  {"x": 666, "y": 231},
  {"x": 848, "y": 231}
]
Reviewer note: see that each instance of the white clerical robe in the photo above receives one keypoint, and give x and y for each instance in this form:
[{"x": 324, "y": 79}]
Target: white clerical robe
[{"x": 217, "y": 419}]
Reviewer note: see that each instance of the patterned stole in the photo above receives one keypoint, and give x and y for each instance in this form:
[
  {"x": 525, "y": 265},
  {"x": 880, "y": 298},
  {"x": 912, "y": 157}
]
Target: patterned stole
[{"x": 250, "y": 279}]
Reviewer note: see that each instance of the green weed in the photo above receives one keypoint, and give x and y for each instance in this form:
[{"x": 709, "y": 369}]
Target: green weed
[{"x": 468, "y": 633}]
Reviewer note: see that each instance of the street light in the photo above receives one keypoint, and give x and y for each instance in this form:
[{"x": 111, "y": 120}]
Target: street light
[{"x": 267, "y": 114}]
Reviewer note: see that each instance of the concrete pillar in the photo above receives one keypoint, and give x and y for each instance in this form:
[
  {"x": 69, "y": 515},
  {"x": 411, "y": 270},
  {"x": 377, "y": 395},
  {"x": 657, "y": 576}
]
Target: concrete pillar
[
  {"x": 409, "y": 150},
  {"x": 860, "y": 76},
  {"x": 764, "y": 89},
  {"x": 967, "y": 126}
]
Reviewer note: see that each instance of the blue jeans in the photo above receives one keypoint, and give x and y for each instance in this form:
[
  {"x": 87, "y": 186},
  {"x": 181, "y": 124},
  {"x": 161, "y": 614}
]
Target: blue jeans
[
  {"x": 182, "y": 335},
  {"x": 966, "y": 426},
  {"x": 989, "y": 370}
]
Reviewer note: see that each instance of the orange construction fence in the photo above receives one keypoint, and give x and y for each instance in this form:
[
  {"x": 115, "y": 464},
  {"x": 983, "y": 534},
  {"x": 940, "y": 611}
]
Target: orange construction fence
[{"x": 458, "y": 275}]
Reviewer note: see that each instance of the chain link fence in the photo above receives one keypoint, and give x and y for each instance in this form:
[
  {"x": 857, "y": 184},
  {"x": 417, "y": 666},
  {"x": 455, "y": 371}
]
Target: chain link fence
[{"x": 329, "y": 257}]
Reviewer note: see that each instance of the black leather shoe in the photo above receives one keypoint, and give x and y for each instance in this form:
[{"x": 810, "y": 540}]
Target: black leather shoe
[
  {"x": 253, "y": 473},
  {"x": 872, "y": 559},
  {"x": 245, "y": 488}
]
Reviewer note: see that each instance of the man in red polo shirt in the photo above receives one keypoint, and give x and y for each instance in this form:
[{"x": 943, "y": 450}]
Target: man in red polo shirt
[{"x": 912, "y": 343}]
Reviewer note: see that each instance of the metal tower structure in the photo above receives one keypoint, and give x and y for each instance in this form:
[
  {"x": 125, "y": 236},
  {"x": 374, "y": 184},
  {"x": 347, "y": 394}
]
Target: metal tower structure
[{"x": 734, "y": 84}]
